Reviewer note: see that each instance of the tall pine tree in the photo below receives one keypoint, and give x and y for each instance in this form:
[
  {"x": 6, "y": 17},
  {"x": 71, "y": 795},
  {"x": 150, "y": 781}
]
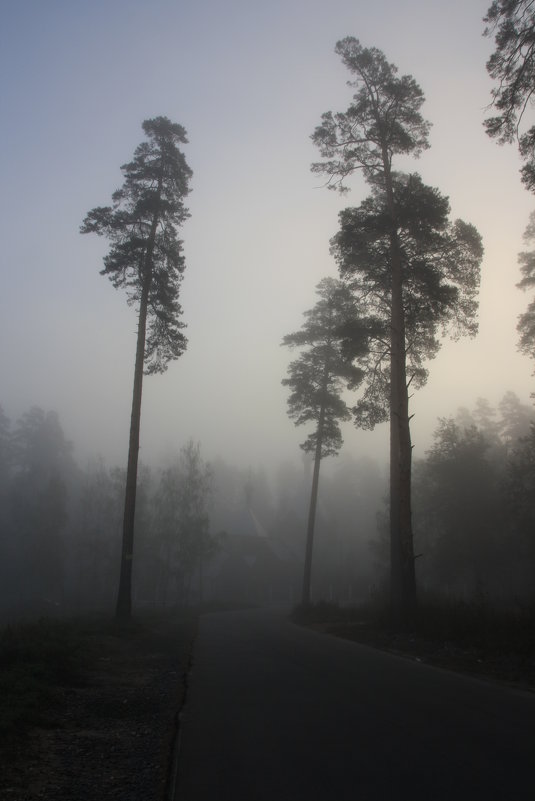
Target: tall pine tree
[
  {"x": 512, "y": 66},
  {"x": 146, "y": 259},
  {"x": 384, "y": 122},
  {"x": 316, "y": 380}
]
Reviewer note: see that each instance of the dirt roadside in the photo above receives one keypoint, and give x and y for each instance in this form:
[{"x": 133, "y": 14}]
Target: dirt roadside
[
  {"x": 514, "y": 669},
  {"x": 107, "y": 732}
]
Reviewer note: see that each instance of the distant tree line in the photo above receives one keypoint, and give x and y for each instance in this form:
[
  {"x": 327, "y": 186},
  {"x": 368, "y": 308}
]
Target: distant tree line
[
  {"x": 474, "y": 506},
  {"x": 61, "y": 524},
  {"x": 408, "y": 275}
]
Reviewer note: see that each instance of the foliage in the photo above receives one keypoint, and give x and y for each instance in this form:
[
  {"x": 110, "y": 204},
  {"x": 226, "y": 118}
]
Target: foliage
[
  {"x": 317, "y": 378},
  {"x": 145, "y": 257},
  {"x": 512, "y": 66},
  {"x": 457, "y": 510},
  {"x": 398, "y": 227},
  {"x": 526, "y": 321},
  {"x": 440, "y": 278},
  {"x": 473, "y": 504},
  {"x": 141, "y": 225},
  {"x": 383, "y": 120}
]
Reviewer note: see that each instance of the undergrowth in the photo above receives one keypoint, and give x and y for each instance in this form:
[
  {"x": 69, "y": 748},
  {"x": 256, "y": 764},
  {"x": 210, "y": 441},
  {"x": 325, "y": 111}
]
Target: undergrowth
[
  {"x": 39, "y": 658},
  {"x": 35, "y": 658},
  {"x": 478, "y": 624}
]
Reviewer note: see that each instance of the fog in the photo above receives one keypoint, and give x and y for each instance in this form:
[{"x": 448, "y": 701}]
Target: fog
[{"x": 249, "y": 82}]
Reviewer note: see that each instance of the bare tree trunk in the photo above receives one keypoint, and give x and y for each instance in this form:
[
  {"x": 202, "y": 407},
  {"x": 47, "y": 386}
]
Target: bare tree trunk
[
  {"x": 124, "y": 596},
  {"x": 123, "y": 610},
  {"x": 403, "y": 586},
  {"x": 312, "y": 511},
  {"x": 403, "y": 577}
]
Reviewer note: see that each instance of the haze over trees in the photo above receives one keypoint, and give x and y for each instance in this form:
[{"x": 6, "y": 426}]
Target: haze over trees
[
  {"x": 211, "y": 533},
  {"x": 408, "y": 275},
  {"x": 146, "y": 259},
  {"x": 182, "y": 522},
  {"x": 60, "y": 538},
  {"x": 36, "y": 472},
  {"x": 474, "y": 502},
  {"x": 412, "y": 269},
  {"x": 316, "y": 380}
]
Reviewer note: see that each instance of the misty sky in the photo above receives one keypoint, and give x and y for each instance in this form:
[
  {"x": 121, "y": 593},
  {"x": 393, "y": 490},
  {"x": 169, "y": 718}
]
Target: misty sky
[{"x": 249, "y": 81}]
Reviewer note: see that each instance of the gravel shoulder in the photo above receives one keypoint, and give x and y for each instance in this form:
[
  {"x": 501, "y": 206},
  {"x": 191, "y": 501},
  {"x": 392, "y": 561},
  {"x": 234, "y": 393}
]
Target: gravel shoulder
[{"x": 107, "y": 730}]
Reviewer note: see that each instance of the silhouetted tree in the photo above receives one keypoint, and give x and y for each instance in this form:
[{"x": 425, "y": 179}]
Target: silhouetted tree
[
  {"x": 526, "y": 321},
  {"x": 440, "y": 278},
  {"x": 512, "y": 66},
  {"x": 382, "y": 122},
  {"x": 146, "y": 259},
  {"x": 316, "y": 380}
]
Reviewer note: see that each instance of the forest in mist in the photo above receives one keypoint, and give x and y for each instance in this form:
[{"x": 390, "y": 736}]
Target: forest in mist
[
  {"x": 448, "y": 512},
  {"x": 221, "y": 534},
  {"x": 267, "y": 415}
]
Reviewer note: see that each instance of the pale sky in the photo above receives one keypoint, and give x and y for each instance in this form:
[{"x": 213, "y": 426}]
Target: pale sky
[{"x": 249, "y": 81}]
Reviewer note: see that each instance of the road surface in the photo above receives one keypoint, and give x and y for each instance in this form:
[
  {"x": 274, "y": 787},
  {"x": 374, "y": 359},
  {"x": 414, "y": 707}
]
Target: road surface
[{"x": 276, "y": 712}]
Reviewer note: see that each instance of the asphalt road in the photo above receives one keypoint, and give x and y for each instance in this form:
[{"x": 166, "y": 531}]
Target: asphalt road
[{"x": 275, "y": 712}]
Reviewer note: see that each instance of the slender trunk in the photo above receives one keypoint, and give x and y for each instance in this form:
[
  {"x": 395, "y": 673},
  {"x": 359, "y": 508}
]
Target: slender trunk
[
  {"x": 123, "y": 610},
  {"x": 313, "y": 503},
  {"x": 124, "y": 596},
  {"x": 403, "y": 578}
]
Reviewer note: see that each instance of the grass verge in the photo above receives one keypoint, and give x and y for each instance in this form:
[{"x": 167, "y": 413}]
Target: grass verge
[{"x": 39, "y": 660}]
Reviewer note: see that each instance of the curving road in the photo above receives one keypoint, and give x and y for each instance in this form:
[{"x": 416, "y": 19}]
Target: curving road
[{"x": 279, "y": 713}]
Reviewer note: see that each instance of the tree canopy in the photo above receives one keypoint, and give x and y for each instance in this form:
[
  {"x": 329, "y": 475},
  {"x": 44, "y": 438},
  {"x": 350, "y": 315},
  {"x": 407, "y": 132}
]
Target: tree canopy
[
  {"x": 145, "y": 251},
  {"x": 440, "y": 262},
  {"x": 526, "y": 321},
  {"x": 317, "y": 378},
  {"x": 382, "y": 121},
  {"x": 512, "y": 66}
]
